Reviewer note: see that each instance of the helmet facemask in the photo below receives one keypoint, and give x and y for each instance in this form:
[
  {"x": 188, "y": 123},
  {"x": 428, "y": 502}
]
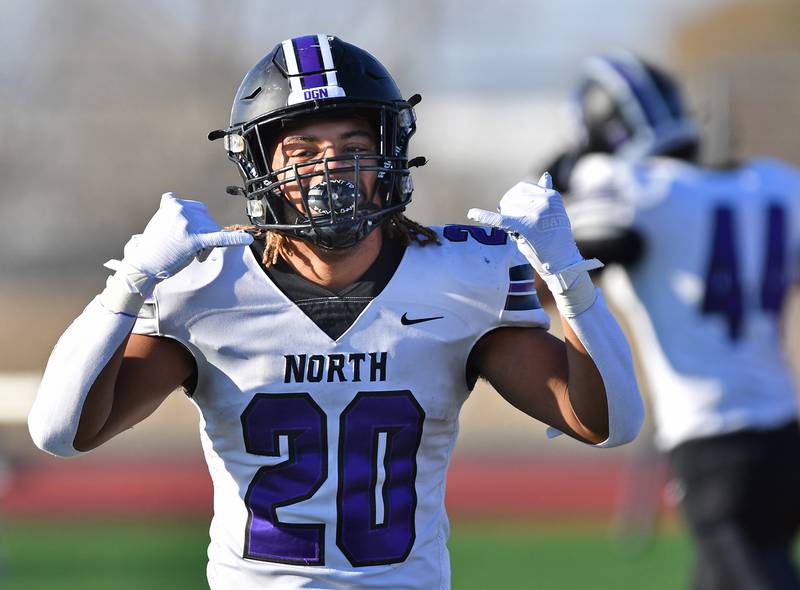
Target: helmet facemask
[
  {"x": 332, "y": 202},
  {"x": 603, "y": 127}
]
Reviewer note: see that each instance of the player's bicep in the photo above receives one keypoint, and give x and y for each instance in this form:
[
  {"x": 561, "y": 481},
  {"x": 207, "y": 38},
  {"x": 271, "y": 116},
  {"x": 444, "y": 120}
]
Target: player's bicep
[
  {"x": 528, "y": 368},
  {"x": 151, "y": 368},
  {"x": 155, "y": 363}
]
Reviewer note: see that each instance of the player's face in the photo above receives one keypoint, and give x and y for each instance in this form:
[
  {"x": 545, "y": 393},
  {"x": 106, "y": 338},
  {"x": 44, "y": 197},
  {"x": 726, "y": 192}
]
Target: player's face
[{"x": 320, "y": 139}]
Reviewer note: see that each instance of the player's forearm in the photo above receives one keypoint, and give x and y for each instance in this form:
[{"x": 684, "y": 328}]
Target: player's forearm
[
  {"x": 80, "y": 355},
  {"x": 600, "y": 350},
  {"x": 99, "y": 403},
  {"x": 585, "y": 389},
  {"x": 76, "y": 394}
]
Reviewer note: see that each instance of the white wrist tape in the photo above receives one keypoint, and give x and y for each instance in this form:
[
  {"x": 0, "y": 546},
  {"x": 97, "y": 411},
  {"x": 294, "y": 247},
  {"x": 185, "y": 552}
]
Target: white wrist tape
[
  {"x": 127, "y": 289},
  {"x": 602, "y": 337},
  {"x": 572, "y": 287},
  {"x": 76, "y": 361}
]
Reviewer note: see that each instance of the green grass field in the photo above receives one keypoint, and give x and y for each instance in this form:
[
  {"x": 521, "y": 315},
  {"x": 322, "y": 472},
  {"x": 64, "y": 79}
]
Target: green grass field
[
  {"x": 171, "y": 556},
  {"x": 517, "y": 557}
]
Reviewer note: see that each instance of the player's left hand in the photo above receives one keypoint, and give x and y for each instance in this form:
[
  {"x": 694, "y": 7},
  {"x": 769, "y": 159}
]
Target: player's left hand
[{"x": 535, "y": 216}]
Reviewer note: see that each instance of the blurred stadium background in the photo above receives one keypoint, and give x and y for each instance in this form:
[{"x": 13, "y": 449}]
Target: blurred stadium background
[{"x": 104, "y": 106}]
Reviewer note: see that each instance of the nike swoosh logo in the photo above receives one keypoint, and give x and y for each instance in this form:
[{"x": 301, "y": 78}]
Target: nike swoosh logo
[{"x": 408, "y": 322}]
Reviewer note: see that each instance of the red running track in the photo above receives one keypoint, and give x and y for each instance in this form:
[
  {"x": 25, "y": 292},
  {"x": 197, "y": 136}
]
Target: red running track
[{"x": 478, "y": 487}]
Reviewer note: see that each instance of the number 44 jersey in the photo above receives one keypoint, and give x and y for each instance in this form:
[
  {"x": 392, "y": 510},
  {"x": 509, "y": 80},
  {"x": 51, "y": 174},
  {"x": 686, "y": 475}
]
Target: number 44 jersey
[
  {"x": 703, "y": 302},
  {"x": 329, "y": 457}
]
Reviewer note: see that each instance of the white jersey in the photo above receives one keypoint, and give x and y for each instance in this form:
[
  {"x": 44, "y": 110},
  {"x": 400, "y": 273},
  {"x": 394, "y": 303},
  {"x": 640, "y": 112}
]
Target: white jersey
[
  {"x": 329, "y": 457},
  {"x": 703, "y": 303}
]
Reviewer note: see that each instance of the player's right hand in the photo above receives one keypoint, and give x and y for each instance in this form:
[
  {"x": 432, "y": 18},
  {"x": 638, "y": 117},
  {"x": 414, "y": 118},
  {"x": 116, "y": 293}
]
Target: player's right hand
[{"x": 179, "y": 231}]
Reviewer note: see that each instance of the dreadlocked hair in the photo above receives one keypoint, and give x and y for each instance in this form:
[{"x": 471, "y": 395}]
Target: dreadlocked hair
[{"x": 398, "y": 227}]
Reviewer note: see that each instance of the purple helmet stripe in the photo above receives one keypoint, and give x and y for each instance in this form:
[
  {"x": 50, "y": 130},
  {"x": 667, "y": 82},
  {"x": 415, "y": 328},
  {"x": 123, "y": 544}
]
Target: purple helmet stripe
[
  {"x": 309, "y": 59},
  {"x": 635, "y": 84},
  {"x": 314, "y": 81}
]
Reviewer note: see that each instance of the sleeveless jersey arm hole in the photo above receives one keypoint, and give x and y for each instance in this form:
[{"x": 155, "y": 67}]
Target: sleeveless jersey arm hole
[
  {"x": 521, "y": 308},
  {"x": 188, "y": 385},
  {"x": 148, "y": 323},
  {"x": 473, "y": 374}
]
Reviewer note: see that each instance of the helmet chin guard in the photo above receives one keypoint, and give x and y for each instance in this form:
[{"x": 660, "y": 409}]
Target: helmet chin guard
[
  {"x": 339, "y": 215},
  {"x": 319, "y": 78},
  {"x": 332, "y": 198}
]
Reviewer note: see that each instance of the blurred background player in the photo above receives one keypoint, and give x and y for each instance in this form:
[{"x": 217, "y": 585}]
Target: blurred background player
[{"x": 705, "y": 259}]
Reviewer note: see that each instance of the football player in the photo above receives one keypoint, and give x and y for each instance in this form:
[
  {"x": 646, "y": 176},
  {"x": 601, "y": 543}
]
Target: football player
[
  {"x": 705, "y": 259},
  {"x": 330, "y": 346}
]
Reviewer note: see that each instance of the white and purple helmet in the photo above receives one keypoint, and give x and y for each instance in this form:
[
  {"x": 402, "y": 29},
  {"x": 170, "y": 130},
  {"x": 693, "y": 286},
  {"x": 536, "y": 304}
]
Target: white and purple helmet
[{"x": 630, "y": 108}]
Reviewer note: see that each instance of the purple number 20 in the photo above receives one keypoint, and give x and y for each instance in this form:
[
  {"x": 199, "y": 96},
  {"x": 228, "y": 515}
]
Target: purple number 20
[{"x": 379, "y": 436}]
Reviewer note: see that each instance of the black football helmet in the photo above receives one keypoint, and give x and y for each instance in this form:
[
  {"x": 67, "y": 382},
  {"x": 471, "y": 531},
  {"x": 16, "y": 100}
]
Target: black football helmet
[
  {"x": 628, "y": 107},
  {"x": 309, "y": 78}
]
